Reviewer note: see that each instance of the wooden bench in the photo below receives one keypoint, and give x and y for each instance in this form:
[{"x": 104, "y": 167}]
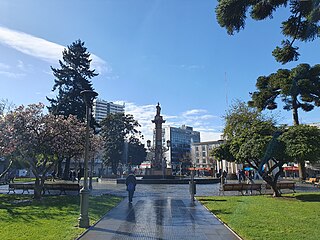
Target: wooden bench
[
  {"x": 20, "y": 186},
  {"x": 241, "y": 187},
  {"x": 284, "y": 185},
  {"x": 311, "y": 180},
  {"x": 62, "y": 187}
]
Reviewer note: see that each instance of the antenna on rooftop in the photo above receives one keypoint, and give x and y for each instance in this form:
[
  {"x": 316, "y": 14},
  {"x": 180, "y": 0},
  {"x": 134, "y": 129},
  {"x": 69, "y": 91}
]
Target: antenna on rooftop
[{"x": 226, "y": 88}]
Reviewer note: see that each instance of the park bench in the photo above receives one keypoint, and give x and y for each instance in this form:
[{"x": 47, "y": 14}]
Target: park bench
[
  {"x": 284, "y": 185},
  {"x": 62, "y": 187},
  {"x": 241, "y": 187},
  {"x": 317, "y": 183},
  {"x": 20, "y": 186},
  {"x": 311, "y": 180}
]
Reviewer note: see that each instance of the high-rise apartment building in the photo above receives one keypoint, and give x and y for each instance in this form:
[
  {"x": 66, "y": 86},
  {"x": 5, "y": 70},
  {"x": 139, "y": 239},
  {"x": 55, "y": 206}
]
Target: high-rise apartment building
[
  {"x": 102, "y": 108},
  {"x": 180, "y": 143}
]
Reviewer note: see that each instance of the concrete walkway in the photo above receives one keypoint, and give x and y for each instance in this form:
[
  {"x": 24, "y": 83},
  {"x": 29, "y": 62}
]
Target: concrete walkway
[{"x": 160, "y": 216}]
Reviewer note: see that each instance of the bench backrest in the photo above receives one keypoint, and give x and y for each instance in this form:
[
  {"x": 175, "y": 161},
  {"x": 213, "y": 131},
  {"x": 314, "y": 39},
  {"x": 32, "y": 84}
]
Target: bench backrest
[
  {"x": 62, "y": 186},
  {"x": 21, "y": 185}
]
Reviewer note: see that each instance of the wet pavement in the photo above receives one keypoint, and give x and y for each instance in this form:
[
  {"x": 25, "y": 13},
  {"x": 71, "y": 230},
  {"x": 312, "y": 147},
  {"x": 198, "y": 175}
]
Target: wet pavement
[
  {"x": 159, "y": 212},
  {"x": 162, "y": 211}
]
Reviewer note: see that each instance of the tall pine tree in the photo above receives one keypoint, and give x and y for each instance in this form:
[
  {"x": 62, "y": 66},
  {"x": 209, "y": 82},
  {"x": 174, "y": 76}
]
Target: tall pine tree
[
  {"x": 71, "y": 78},
  {"x": 302, "y": 23}
]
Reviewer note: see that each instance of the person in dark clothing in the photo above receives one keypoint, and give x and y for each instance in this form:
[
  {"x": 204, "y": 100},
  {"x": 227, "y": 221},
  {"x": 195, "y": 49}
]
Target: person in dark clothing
[{"x": 131, "y": 183}]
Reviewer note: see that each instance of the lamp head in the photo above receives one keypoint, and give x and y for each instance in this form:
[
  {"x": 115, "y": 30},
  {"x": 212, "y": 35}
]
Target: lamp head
[{"x": 88, "y": 96}]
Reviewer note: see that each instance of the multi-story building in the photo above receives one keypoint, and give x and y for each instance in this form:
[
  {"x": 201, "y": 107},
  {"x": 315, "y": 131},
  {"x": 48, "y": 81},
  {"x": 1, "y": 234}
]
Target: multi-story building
[
  {"x": 315, "y": 124},
  {"x": 180, "y": 143},
  {"x": 102, "y": 108},
  {"x": 202, "y": 161}
]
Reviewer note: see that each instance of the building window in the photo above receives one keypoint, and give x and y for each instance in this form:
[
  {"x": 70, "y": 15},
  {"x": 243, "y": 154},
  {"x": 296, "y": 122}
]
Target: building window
[{"x": 204, "y": 154}]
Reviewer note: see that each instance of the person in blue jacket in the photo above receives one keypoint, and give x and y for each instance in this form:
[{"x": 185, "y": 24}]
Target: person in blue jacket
[{"x": 131, "y": 183}]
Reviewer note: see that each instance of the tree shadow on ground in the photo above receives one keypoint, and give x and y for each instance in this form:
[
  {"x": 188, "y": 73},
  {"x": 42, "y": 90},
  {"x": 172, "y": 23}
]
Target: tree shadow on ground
[
  {"x": 219, "y": 211},
  {"x": 211, "y": 200},
  {"x": 309, "y": 197}
]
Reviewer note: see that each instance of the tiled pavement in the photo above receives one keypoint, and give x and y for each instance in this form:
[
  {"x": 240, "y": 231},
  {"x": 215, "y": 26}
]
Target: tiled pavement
[
  {"x": 159, "y": 218},
  {"x": 159, "y": 213}
]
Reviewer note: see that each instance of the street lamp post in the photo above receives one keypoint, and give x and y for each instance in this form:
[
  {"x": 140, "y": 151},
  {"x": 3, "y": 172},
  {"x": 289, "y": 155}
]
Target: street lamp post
[
  {"x": 88, "y": 97},
  {"x": 91, "y": 172}
]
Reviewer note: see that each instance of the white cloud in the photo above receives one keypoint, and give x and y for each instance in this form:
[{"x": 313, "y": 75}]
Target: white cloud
[
  {"x": 9, "y": 71},
  {"x": 41, "y": 48},
  {"x": 199, "y": 119},
  {"x": 210, "y": 136},
  {"x": 4, "y": 66},
  {"x": 194, "y": 112},
  {"x": 11, "y": 74}
]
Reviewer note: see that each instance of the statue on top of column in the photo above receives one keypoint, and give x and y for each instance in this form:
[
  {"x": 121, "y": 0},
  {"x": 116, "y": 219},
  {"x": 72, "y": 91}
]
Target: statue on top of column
[{"x": 158, "y": 109}]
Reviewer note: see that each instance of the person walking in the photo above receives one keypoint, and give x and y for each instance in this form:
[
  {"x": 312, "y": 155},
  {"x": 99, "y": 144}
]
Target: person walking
[{"x": 131, "y": 183}]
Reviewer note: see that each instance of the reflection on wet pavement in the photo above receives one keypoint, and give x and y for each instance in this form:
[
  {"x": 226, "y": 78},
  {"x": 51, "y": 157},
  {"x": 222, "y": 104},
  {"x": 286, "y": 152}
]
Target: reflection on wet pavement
[{"x": 160, "y": 212}]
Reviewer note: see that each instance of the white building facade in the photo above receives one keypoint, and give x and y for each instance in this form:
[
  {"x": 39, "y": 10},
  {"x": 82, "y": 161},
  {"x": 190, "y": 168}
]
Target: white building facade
[
  {"x": 202, "y": 161},
  {"x": 102, "y": 108}
]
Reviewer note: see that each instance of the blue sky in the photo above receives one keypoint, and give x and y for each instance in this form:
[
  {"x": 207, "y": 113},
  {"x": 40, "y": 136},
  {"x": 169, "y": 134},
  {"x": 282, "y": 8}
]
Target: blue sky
[{"x": 146, "y": 51}]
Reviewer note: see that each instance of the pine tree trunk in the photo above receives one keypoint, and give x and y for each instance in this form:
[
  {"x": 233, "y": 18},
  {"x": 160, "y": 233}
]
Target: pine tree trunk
[
  {"x": 301, "y": 163},
  {"x": 295, "y": 116},
  {"x": 60, "y": 170},
  {"x": 37, "y": 189},
  {"x": 66, "y": 169}
]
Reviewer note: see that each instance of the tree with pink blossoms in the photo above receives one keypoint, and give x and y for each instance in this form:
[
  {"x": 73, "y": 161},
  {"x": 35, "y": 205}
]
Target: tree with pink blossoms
[{"x": 40, "y": 138}]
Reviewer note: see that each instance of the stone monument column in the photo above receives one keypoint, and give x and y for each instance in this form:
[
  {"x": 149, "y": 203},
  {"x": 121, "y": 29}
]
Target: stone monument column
[{"x": 158, "y": 120}]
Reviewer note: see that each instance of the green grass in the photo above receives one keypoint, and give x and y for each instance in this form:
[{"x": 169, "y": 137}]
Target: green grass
[
  {"x": 53, "y": 217},
  {"x": 294, "y": 216},
  {"x": 24, "y": 179}
]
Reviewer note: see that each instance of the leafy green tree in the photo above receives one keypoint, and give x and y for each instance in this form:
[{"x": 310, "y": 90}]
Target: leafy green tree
[
  {"x": 298, "y": 88},
  {"x": 302, "y": 143},
  {"x": 252, "y": 139},
  {"x": 136, "y": 151},
  {"x": 222, "y": 152},
  {"x": 302, "y": 24},
  {"x": 73, "y": 76},
  {"x": 115, "y": 128}
]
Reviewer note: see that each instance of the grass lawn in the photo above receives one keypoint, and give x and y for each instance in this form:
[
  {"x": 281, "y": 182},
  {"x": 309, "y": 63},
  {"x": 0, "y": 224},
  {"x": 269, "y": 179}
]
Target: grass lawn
[
  {"x": 54, "y": 217},
  {"x": 24, "y": 180},
  {"x": 293, "y": 216}
]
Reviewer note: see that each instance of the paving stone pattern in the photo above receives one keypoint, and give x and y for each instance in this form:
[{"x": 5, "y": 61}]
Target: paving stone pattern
[{"x": 163, "y": 212}]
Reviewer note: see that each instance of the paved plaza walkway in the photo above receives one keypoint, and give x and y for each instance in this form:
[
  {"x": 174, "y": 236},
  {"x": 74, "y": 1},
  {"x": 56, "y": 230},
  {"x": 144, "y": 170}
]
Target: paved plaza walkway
[{"x": 158, "y": 212}]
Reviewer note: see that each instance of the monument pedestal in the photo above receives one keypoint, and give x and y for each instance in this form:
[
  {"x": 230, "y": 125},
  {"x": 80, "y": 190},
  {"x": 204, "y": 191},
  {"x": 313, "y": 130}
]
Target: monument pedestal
[{"x": 151, "y": 173}]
